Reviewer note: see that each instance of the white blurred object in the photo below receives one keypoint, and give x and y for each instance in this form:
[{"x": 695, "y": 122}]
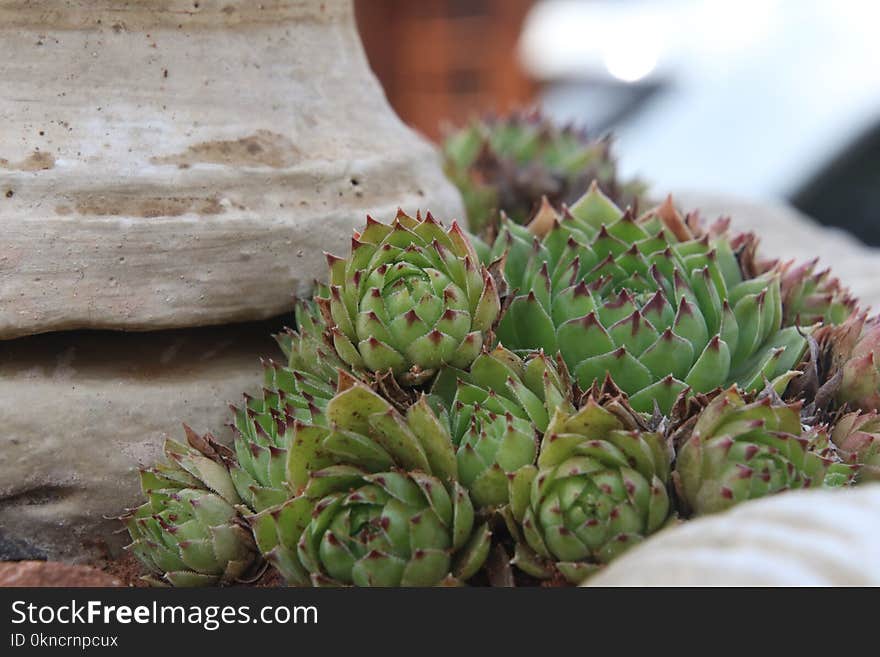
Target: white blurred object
[
  {"x": 755, "y": 94},
  {"x": 797, "y": 538}
]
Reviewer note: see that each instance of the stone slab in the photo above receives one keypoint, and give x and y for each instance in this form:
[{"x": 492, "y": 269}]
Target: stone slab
[
  {"x": 81, "y": 411},
  {"x": 171, "y": 164}
]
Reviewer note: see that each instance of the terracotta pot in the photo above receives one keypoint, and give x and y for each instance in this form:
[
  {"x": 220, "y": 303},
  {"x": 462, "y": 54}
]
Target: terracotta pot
[{"x": 167, "y": 163}]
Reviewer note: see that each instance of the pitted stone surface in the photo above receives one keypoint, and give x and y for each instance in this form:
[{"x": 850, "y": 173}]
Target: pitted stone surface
[
  {"x": 171, "y": 164},
  {"x": 81, "y": 411}
]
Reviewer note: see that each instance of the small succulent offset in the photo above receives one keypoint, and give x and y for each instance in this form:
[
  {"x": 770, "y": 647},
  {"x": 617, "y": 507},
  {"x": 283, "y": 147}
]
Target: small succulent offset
[
  {"x": 453, "y": 411},
  {"x": 813, "y": 297},
  {"x": 509, "y": 163},
  {"x": 497, "y": 413},
  {"x": 190, "y": 531},
  {"x": 857, "y": 437},
  {"x": 411, "y": 298},
  {"x": 854, "y": 351}
]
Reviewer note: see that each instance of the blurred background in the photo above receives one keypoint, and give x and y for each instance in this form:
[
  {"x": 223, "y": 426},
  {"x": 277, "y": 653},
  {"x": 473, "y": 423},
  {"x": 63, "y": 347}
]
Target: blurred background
[{"x": 762, "y": 99}]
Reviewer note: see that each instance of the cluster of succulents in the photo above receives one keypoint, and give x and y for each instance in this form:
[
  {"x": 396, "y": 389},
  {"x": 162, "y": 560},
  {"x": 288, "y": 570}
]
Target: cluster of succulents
[{"x": 521, "y": 409}]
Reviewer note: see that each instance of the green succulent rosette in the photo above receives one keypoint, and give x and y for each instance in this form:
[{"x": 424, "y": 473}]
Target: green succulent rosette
[
  {"x": 365, "y": 435},
  {"x": 599, "y": 487},
  {"x": 857, "y": 436},
  {"x": 509, "y": 163},
  {"x": 497, "y": 411},
  {"x": 189, "y": 532},
  {"x": 739, "y": 450},
  {"x": 390, "y": 529},
  {"x": 811, "y": 296},
  {"x": 530, "y": 387},
  {"x": 853, "y": 352},
  {"x": 411, "y": 298},
  {"x": 655, "y": 302},
  {"x": 293, "y": 401},
  {"x": 488, "y": 448}
]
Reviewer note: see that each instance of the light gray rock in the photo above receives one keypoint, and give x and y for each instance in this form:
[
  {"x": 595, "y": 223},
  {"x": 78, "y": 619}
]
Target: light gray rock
[
  {"x": 788, "y": 234},
  {"x": 171, "y": 164},
  {"x": 81, "y": 411}
]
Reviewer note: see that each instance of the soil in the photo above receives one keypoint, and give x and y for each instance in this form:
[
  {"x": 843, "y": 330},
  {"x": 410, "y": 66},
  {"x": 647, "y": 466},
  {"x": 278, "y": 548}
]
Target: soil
[
  {"x": 124, "y": 571},
  {"x": 126, "y": 568},
  {"x": 53, "y": 574}
]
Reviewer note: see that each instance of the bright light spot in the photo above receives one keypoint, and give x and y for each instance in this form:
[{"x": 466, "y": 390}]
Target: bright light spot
[{"x": 630, "y": 62}]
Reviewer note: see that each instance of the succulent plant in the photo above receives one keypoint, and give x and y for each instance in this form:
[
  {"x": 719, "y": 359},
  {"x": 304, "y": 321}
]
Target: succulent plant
[
  {"x": 810, "y": 296},
  {"x": 411, "y": 298},
  {"x": 500, "y": 381},
  {"x": 292, "y": 403},
  {"x": 189, "y": 531},
  {"x": 656, "y": 302},
  {"x": 390, "y": 529},
  {"x": 599, "y": 487},
  {"x": 857, "y": 436},
  {"x": 740, "y": 450},
  {"x": 306, "y": 349},
  {"x": 497, "y": 411},
  {"x": 509, "y": 163},
  {"x": 367, "y": 431},
  {"x": 854, "y": 349},
  {"x": 365, "y": 435},
  {"x": 489, "y": 448}
]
